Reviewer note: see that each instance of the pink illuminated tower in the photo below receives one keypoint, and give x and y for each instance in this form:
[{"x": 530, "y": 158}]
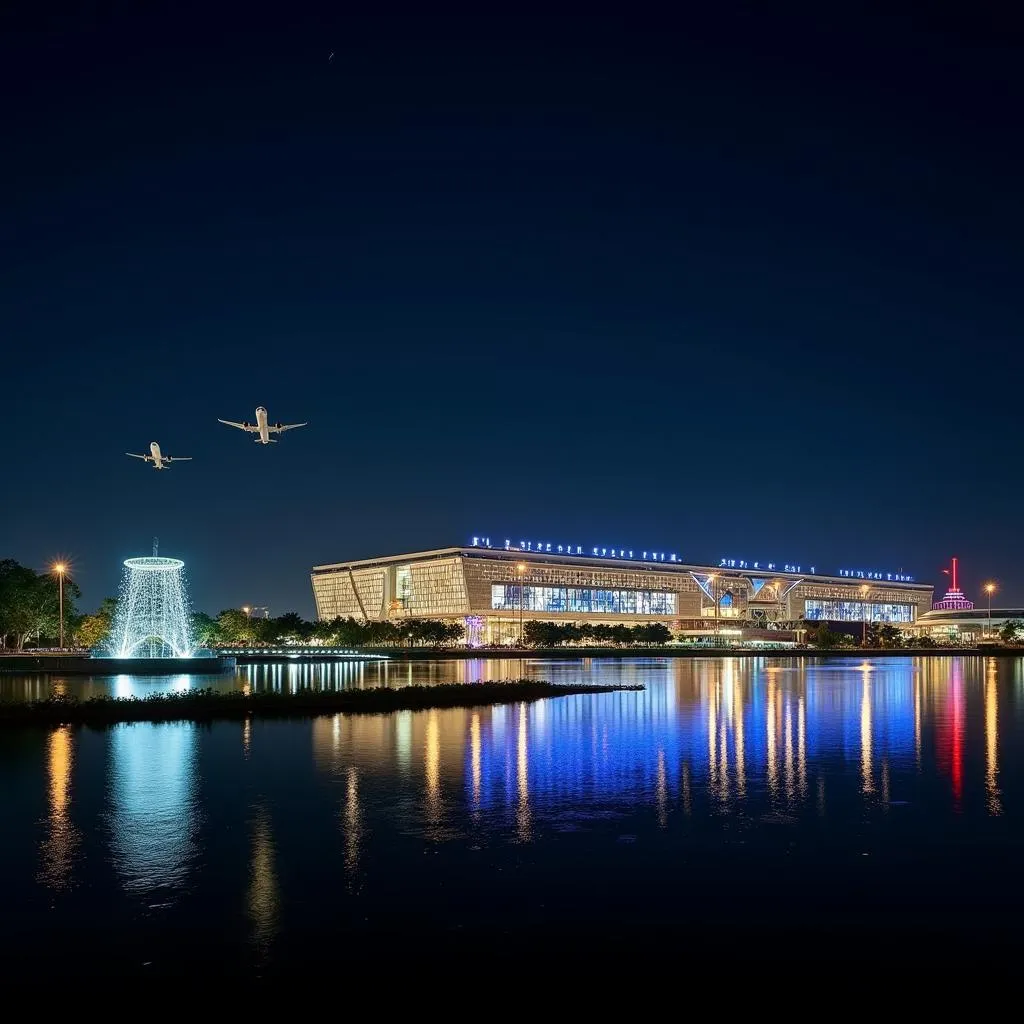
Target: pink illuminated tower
[{"x": 954, "y": 601}]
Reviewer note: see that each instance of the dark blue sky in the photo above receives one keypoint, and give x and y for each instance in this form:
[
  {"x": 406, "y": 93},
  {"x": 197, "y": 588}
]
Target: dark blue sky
[{"x": 729, "y": 284}]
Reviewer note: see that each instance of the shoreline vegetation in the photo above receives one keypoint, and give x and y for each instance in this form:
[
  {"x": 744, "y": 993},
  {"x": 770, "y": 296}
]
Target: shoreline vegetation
[{"x": 210, "y": 705}]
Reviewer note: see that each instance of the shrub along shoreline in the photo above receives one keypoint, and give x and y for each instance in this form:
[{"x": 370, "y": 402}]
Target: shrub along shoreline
[{"x": 209, "y": 705}]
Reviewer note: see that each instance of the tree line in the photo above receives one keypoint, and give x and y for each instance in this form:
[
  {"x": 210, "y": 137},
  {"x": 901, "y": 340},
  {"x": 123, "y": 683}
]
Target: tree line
[
  {"x": 880, "y": 636},
  {"x": 554, "y": 634},
  {"x": 234, "y": 627},
  {"x": 30, "y": 611}
]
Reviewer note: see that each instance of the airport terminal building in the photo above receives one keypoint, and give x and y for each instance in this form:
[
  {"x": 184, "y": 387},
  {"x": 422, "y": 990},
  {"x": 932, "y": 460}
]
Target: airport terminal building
[{"x": 492, "y": 589}]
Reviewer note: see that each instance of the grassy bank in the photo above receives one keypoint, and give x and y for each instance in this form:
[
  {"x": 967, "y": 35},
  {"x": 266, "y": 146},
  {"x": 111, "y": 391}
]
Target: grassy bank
[{"x": 208, "y": 705}]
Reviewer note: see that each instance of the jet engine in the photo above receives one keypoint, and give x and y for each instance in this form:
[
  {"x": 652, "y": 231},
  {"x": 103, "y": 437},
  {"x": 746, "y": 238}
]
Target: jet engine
[{"x": 279, "y": 425}]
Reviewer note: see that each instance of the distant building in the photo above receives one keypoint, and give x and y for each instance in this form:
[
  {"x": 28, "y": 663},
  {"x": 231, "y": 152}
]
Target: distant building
[
  {"x": 954, "y": 619},
  {"x": 492, "y": 588},
  {"x": 965, "y": 626}
]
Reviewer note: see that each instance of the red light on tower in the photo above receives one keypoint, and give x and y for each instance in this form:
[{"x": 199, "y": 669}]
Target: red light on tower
[{"x": 954, "y": 601}]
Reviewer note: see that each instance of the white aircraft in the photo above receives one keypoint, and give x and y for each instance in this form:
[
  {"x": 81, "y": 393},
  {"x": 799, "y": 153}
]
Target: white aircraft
[
  {"x": 262, "y": 427},
  {"x": 159, "y": 460}
]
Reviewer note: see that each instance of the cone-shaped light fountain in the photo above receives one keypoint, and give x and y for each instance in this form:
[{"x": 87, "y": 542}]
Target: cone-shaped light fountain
[{"x": 153, "y": 619}]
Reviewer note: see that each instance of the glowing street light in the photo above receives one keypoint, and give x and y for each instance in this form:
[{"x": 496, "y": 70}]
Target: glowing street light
[
  {"x": 714, "y": 597},
  {"x": 990, "y": 589},
  {"x": 60, "y": 568}
]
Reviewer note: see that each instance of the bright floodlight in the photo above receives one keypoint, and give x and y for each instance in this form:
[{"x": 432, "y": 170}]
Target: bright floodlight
[{"x": 152, "y": 619}]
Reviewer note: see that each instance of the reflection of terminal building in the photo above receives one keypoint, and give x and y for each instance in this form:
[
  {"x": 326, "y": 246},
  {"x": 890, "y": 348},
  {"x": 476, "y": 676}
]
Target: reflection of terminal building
[{"x": 492, "y": 588}]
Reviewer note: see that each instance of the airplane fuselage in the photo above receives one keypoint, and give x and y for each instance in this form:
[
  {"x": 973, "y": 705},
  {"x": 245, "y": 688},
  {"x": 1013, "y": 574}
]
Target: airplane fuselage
[
  {"x": 156, "y": 455},
  {"x": 261, "y": 425}
]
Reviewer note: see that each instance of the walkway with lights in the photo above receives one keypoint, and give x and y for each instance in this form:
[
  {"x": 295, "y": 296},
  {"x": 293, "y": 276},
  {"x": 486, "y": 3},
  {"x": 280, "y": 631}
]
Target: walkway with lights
[{"x": 276, "y": 653}]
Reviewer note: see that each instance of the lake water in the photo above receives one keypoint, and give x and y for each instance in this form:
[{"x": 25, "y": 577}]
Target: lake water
[{"x": 735, "y": 808}]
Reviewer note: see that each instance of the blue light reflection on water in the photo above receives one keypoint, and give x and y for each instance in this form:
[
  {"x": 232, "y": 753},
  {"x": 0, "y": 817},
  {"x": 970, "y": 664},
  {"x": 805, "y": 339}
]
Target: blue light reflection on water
[
  {"x": 153, "y": 815},
  {"x": 262, "y": 832}
]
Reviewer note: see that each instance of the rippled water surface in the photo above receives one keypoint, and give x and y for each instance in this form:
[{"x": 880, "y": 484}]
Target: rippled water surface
[{"x": 792, "y": 805}]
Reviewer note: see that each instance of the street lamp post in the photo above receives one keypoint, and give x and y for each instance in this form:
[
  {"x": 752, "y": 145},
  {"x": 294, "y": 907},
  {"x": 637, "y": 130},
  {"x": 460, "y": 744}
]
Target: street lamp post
[
  {"x": 60, "y": 568},
  {"x": 713, "y": 580},
  {"x": 521, "y": 571},
  {"x": 989, "y": 590},
  {"x": 864, "y": 591}
]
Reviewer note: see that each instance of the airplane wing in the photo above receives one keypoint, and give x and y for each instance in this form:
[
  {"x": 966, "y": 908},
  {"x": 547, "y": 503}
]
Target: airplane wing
[
  {"x": 145, "y": 458},
  {"x": 178, "y": 458},
  {"x": 250, "y": 427},
  {"x": 273, "y": 428}
]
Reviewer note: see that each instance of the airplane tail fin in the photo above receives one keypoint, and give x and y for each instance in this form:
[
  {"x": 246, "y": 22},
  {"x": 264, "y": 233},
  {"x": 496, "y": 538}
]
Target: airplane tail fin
[{"x": 270, "y": 440}]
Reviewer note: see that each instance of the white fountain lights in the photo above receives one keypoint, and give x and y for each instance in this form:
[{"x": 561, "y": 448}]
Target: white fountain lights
[{"x": 153, "y": 617}]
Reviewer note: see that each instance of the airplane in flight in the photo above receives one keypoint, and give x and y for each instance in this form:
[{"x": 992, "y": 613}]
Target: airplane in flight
[
  {"x": 262, "y": 427},
  {"x": 157, "y": 457}
]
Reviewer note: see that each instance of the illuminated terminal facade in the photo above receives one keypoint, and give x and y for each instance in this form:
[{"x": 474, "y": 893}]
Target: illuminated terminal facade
[{"x": 494, "y": 588}]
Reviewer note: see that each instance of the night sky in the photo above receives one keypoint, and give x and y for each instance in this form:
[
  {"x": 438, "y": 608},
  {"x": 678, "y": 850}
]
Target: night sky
[{"x": 730, "y": 285}]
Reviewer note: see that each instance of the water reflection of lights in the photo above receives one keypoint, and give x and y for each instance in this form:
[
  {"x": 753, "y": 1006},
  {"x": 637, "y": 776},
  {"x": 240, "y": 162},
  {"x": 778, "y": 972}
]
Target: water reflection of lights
[
  {"x": 992, "y": 739},
  {"x": 432, "y": 769},
  {"x": 62, "y": 838},
  {"x": 867, "y": 782},
  {"x": 854, "y": 732},
  {"x": 956, "y": 692},
  {"x": 917, "y": 722},
  {"x": 741, "y": 756},
  {"x": 771, "y": 754},
  {"x": 788, "y": 758},
  {"x": 153, "y": 803},
  {"x": 474, "y": 744},
  {"x": 353, "y": 817},
  {"x": 801, "y": 748},
  {"x": 661, "y": 791},
  {"x": 707, "y": 739},
  {"x": 403, "y": 740},
  {"x": 264, "y": 896},
  {"x": 713, "y": 769},
  {"x": 524, "y": 821}
]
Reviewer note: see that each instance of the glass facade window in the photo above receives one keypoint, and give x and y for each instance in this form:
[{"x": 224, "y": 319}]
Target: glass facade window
[
  {"x": 725, "y": 611},
  {"x": 506, "y": 597},
  {"x": 403, "y": 586},
  {"x": 857, "y": 611}
]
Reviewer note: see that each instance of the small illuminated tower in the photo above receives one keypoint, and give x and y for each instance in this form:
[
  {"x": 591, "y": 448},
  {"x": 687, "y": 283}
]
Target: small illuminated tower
[
  {"x": 954, "y": 601},
  {"x": 153, "y": 619}
]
